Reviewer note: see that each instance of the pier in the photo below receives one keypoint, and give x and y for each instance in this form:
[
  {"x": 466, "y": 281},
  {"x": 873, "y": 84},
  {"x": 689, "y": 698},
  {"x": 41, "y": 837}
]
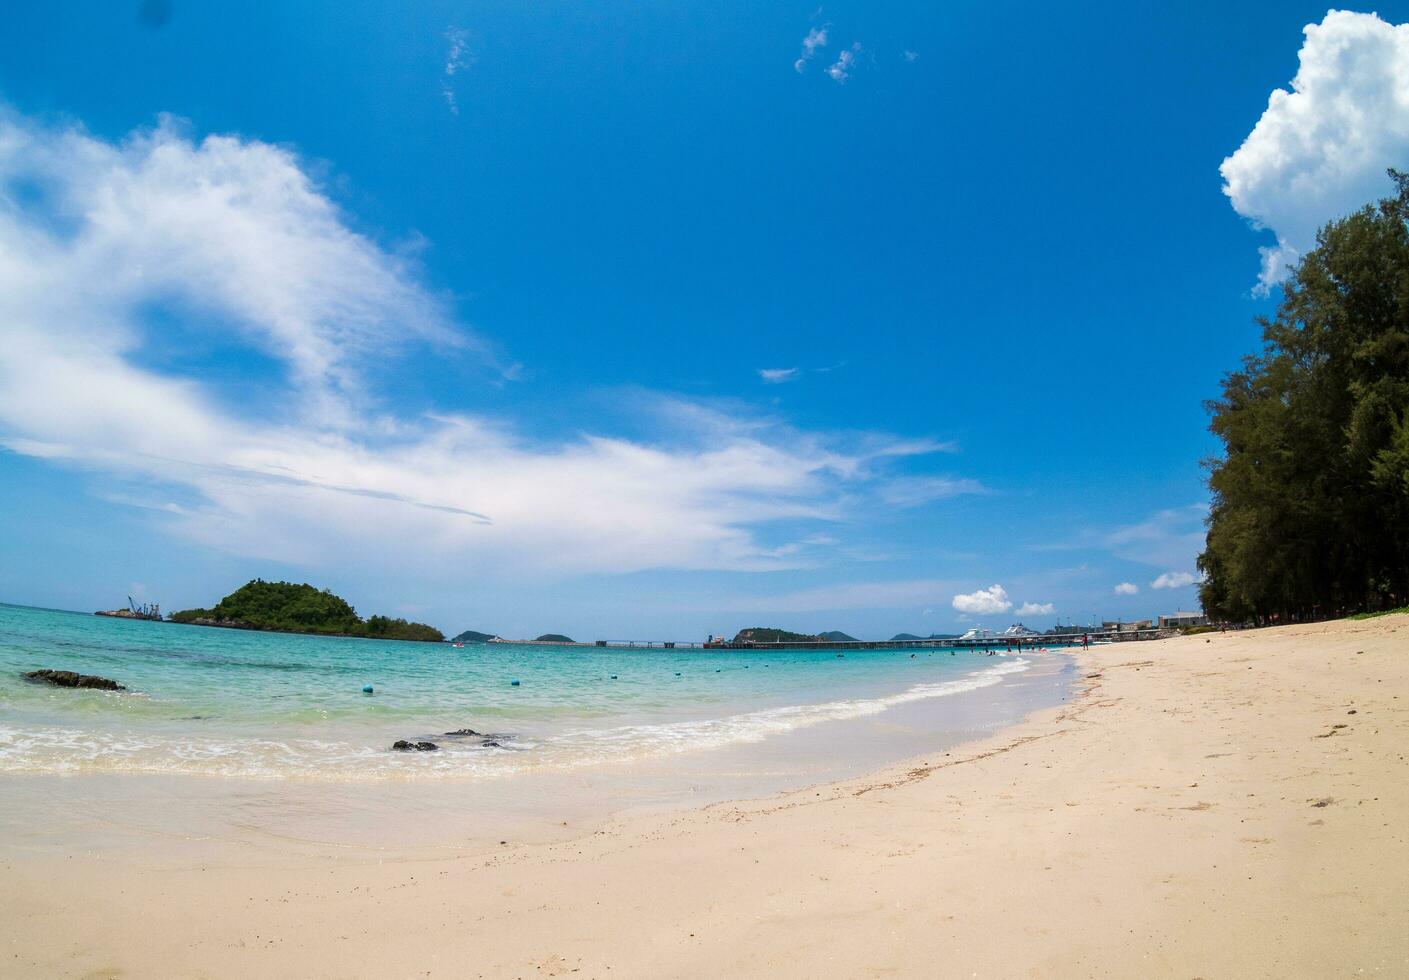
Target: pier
[{"x": 998, "y": 642}]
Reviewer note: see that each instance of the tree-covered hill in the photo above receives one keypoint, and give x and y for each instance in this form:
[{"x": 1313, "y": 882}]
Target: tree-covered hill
[
  {"x": 288, "y": 608},
  {"x": 769, "y": 634},
  {"x": 473, "y": 636},
  {"x": 1310, "y": 514}
]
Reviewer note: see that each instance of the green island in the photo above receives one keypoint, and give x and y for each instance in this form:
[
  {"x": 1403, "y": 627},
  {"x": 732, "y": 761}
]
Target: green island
[
  {"x": 283, "y": 607},
  {"x": 472, "y": 636},
  {"x": 769, "y": 634}
]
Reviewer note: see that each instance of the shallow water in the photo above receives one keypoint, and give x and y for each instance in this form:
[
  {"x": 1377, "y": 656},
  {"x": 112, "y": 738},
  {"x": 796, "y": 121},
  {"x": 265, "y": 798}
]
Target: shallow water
[{"x": 268, "y": 705}]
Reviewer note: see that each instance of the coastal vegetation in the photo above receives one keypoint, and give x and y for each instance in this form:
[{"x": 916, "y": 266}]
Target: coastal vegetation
[
  {"x": 1310, "y": 510},
  {"x": 770, "y": 634},
  {"x": 288, "y": 608},
  {"x": 553, "y": 638}
]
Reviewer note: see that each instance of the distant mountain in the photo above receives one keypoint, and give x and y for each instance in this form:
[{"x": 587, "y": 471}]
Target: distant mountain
[
  {"x": 554, "y": 638},
  {"x": 932, "y": 636},
  {"x": 837, "y": 636},
  {"x": 472, "y": 636},
  {"x": 906, "y": 636}
]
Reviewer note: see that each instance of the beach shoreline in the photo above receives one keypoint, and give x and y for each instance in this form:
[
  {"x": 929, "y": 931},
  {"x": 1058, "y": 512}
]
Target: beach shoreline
[{"x": 1193, "y": 810}]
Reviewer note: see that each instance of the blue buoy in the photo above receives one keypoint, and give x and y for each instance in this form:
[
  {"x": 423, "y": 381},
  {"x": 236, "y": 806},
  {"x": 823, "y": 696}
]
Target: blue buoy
[
  {"x": 366, "y": 688},
  {"x": 716, "y": 670},
  {"x": 514, "y": 682}
]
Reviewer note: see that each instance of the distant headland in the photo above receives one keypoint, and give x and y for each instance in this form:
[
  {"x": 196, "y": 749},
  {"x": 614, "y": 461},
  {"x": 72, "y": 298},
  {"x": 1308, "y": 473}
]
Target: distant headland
[{"x": 283, "y": 607}]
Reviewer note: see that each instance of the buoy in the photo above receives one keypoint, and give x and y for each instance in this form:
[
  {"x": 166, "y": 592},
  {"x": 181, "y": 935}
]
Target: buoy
[
  {"x": 366, "y": 688},
  {"x": 613, "y": 677},
  {"x": 514, "y": 682},
  {"x": 716, "y": 670},
  {"x": 677, "y": 673}
]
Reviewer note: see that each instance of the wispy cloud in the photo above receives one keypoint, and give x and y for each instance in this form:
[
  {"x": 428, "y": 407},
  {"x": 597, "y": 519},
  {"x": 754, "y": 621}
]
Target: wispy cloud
[
  {"x": 457, "y": 58},
  {"x": 1168, "y": 537},
  {"x": 815, "y": 39},
  {"x": 840, "y": 70},
  {"x": 777, "y": 376},
  {"x": 1127, "y": 588},
  {"x": 904, "y": 594},
  {"x": 780, "y": 375},
  {"x": 915, "y": 491},
  {"x": 234, "y": 239},
  {"x": 910, "y": 55}
]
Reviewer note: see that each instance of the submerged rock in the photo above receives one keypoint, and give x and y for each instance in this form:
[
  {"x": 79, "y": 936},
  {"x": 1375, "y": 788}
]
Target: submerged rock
[
  {"x": 463, "y": 733},
  {"x": 491, "y": 744},
  {"x": 402, "y": 745},
  {"x": 67, "y": 678}
]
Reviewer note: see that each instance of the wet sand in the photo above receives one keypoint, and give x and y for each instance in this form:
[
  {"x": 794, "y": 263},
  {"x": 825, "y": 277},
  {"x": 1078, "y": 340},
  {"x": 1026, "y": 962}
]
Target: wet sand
[{"x": 1195, "y": 811}]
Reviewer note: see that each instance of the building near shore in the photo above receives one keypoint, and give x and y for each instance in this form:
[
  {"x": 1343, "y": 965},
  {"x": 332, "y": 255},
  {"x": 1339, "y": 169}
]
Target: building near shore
[
  {"x": 1119, "y": 626},
  {"x": 1181, "y": 620}
]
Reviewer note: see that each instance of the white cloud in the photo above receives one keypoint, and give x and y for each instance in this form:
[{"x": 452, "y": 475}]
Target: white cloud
[
  {"x": 910, "y": 55},
  {"x": 840, "y": 71},
  {"x": 1127, "y": 588},
  {"x": 984, "y": 602},
  {"x": 915, "y": 491},
  {"x": 457, "y": 58},
  {"x": 1036, "y": 609},
  {"x": 777, "y": 376},
  {"x": 1321, "y": 150},
  {"x": 111, "y": 253},
  {"x": 1173, "y": 580},
  {"x": 816, "y": 38}
]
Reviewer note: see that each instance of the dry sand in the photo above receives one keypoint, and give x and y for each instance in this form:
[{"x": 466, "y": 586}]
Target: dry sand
[{"x": 1223, "y": 806}]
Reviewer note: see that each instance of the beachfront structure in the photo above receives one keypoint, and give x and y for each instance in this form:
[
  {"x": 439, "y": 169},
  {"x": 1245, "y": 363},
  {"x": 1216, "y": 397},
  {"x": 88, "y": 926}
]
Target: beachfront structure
[
  {"x": 1117, "y": 626},
  {"x": 1180, "y": 620}
]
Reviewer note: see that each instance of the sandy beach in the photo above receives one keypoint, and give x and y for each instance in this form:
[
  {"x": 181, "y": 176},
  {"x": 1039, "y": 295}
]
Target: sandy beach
[{"x": 1229, "y": 805}]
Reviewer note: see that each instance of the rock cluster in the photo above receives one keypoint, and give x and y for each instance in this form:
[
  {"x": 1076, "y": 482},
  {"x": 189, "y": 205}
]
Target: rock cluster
[
  {"x": 67, "y": 678},
  {"x": 401, "y": 745}
]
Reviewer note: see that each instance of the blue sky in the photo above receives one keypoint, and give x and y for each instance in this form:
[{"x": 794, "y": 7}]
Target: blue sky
[{"x": 642, "y": 321}]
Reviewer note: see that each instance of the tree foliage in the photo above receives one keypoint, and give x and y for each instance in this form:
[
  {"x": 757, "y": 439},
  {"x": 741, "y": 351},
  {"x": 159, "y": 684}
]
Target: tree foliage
[
  {"x": 289, "y": 608},
  {"x": 1310, "y": 513}
]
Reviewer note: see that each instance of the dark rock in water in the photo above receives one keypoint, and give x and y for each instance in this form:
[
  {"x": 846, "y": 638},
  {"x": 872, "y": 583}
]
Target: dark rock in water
[
  {"x": 401, "y": 745},
  {"x": 67, "y": 678},
  {"x": 463, "y": 733},
  {"x": 491, "y": 744}
]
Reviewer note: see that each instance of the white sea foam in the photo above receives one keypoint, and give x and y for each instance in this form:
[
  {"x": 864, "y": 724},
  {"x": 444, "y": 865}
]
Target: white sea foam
[{"x": 53, "y": 749}]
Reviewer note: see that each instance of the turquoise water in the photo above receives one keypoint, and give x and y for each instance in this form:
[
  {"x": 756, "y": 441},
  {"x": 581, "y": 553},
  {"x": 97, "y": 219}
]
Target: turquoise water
[{"x": 237, "y": 703}]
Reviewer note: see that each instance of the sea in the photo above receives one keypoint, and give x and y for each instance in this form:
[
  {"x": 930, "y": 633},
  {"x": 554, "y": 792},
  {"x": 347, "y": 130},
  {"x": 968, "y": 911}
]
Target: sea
[{"x": 280, "y": 716}]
